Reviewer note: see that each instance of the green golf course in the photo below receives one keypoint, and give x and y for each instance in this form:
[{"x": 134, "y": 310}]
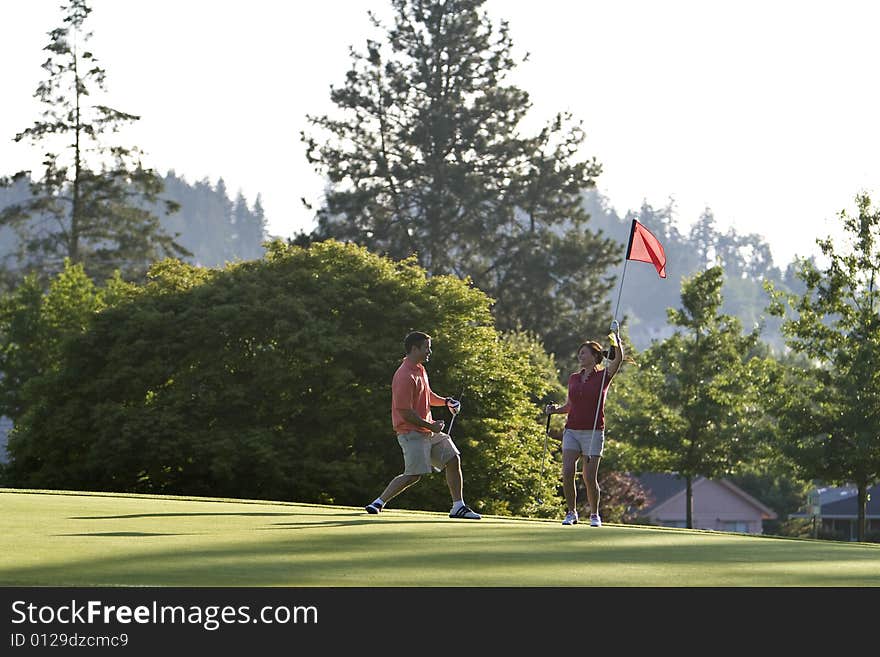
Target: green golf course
[{"x": 62, "y": 538}]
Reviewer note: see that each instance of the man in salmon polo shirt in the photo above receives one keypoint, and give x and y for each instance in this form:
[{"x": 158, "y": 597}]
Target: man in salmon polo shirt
[{"x": 421, "y": 438}]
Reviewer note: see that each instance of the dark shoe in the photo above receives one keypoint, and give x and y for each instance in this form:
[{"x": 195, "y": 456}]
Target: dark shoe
[{"x": 373, "y": 507}]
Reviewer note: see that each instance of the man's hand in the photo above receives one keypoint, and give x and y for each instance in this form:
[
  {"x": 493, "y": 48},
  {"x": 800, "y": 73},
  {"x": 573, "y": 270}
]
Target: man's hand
[
  {"x": 453, "y": 405},
  {"x": 550, "y": 409},
  {"x": 437, "y": 426}
]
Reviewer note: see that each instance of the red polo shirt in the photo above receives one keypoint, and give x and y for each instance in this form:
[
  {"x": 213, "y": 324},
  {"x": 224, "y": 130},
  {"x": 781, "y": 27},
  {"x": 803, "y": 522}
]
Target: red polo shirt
[
  {"x": 584, "y": 395},
  {"x": 410, "y": 389}
]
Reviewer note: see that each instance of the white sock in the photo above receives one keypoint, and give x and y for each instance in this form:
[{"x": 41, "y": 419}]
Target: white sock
[
  {"x": 457, "y": 505},
  {"x": 379, "y": 501}
]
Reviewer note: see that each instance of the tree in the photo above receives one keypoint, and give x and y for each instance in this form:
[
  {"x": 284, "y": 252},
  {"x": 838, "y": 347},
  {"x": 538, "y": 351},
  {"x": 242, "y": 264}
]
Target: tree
[
  {"x": 211, "y": 225},
  {"x": 692, "y": 403},
  {"x": 89, "y": 205},
  {"x": 250, "y": 228},
  {"x": 35, "y": 324},
  {"x": 271, "y": 379},
  {"x": 427, "y": 157},
  {"x": 830, "y": 412}
]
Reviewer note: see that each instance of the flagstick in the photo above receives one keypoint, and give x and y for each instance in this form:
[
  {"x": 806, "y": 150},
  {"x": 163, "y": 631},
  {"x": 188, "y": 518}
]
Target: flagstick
[
  {"x": 626, "y": 258},
  {"x": 605, "y": 369},
  {"x": 620, "y": 289}
]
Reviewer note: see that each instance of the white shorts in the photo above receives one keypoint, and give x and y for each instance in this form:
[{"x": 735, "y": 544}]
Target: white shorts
[
  {"x": 585, "y": 441},
  {"x": 423, "y": 450}
]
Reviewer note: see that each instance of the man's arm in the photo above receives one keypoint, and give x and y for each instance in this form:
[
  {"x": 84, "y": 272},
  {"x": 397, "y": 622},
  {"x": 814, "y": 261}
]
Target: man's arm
[{"x": 413, "y": 418}]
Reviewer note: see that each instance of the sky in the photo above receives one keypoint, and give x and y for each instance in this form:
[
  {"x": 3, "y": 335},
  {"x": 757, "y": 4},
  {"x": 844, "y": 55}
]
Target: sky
[{"x": 764, "y": 112}]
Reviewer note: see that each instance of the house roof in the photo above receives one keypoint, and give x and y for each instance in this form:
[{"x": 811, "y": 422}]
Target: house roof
[
  {"x": 662, "y": 487},
  {"x": 844, "y": 501}
]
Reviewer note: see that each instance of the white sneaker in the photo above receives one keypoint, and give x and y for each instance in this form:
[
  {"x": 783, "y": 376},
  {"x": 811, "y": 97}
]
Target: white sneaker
[
  {"x": 465, "y": 512},
  {"x": 571, "y": 518},
  {"x": 595, "y": 520}
]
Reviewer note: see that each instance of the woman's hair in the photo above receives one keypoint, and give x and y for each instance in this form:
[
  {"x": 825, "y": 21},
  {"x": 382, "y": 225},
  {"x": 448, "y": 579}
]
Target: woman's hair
[{"x": 594, "y": 346}]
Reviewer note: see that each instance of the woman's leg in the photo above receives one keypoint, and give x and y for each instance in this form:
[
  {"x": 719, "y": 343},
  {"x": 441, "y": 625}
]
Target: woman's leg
[
  {"x": 591, "y": 481},
  {"x": 569, "y": 461}
]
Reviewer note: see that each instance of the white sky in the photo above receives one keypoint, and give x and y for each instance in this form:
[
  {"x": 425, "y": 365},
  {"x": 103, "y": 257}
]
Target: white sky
[{"x": 764, "y": 111}]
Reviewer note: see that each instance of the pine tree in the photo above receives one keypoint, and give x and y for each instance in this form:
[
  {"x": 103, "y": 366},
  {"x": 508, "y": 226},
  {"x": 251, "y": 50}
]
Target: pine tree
[
  {"x": 428, "y": 157},
  {"x": 249, "y": 228},
  {"x": 90, "y": 204}
]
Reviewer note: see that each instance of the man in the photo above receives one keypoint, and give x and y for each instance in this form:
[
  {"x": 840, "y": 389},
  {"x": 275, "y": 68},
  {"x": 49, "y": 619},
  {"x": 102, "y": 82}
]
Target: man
[{"x": 421, "y": 438}]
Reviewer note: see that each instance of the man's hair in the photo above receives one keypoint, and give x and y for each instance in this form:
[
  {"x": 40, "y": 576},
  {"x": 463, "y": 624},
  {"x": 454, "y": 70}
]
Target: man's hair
[{"x": 416, "y": 338}]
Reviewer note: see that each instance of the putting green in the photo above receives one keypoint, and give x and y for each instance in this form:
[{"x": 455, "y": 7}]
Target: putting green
[{"x": 58, "y": 538}]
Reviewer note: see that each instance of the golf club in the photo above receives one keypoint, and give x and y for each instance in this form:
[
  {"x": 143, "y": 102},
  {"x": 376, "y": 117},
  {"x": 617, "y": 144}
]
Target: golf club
[
  {"x": 454, "y": 408},
  {"x": 544, "y": 458}
]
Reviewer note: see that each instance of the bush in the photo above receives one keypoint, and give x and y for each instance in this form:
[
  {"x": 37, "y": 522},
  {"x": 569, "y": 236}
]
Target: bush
[{"x": 270, "y": 379}]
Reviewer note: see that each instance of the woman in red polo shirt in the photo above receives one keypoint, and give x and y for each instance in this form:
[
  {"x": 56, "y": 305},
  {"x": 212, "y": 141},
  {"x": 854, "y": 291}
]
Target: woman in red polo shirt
[{"x": 584, "y": 434}]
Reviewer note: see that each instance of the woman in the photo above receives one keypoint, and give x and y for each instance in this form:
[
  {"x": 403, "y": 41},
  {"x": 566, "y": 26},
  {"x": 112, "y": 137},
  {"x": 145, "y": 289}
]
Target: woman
[{"x": 584, "y": 434}]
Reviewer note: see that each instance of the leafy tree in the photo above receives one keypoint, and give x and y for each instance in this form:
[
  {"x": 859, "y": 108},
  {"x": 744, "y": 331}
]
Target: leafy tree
[
  {"x": 271, "y": 379},
  {"x": 778, "y": 488},
  {"x": 88, "y": 205},
  {"x": 427, "y": 157},
  {"x": 622, "y": 496},
  {"x": 692, "y": 403},
  {"x": 35, "y": 323},
  {"x": 830, "y": 412}
]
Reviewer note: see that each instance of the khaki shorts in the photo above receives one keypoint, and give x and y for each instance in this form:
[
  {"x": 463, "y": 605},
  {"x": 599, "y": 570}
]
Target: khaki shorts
[
  {"x": 423, "y": 450},
  {"x": 586, "y": 441}
]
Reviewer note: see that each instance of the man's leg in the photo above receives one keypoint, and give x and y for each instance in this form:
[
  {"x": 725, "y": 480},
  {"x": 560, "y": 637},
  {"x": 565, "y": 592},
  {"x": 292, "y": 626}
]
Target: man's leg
[
  {"x": 416, "y": 453},
  {"x": 454, "y": 481},
  {"x": 454, "y": 478},
  {"x": 397, "y": 485}
]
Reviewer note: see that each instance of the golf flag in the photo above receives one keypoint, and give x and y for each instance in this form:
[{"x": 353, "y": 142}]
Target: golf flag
[{"x": 644, "y": 247}]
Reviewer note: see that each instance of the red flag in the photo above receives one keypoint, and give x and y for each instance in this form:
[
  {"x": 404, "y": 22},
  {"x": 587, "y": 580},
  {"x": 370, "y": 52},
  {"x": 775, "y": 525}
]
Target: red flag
[{"x": 644, "y": 247}]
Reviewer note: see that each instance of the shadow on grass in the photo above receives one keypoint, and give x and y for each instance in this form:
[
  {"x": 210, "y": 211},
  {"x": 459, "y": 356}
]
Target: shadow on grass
[
  {"x": 350, "y": 523},
  {"x": 199, "y": 514},
  {"x": 495, "y": 556},
  {"x": 115, "y": 534}
]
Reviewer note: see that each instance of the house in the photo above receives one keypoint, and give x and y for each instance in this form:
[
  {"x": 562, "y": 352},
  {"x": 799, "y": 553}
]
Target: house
[
  {"x": 835, "y": 510},
  {"x": 717, "y": 504}
]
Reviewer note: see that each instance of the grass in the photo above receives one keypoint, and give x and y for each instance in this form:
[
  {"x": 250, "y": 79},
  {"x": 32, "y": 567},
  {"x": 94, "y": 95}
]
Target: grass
[{"x": 63, "y": 538}]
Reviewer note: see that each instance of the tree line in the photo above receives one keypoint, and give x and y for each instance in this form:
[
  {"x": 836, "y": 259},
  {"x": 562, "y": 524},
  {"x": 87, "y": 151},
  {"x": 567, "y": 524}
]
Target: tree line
[{"x": 212, "y": 226}]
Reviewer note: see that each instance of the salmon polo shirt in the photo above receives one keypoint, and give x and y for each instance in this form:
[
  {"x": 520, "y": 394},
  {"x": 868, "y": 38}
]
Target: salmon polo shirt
[
  {"x": 584, "y": 396},
  {"x": 410, "y": 389}
]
